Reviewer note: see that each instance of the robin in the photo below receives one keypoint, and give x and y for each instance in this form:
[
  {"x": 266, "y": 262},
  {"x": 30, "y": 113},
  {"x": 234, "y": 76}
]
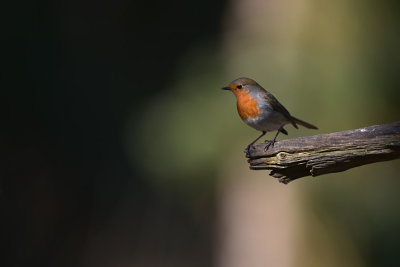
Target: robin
[{"x": 261, "y": 110}]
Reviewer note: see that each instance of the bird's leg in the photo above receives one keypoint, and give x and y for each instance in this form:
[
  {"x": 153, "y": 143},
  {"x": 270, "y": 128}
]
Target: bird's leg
[
  {"x": 273, "y": 140},
  {"x": 247, "y": 150}
]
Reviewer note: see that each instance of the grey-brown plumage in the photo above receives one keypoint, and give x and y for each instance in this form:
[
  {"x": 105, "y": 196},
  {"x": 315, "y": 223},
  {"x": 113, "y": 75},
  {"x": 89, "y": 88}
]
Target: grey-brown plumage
[
  {"x": 261, "y": 110},
  {"x": 277, "y": 106}
]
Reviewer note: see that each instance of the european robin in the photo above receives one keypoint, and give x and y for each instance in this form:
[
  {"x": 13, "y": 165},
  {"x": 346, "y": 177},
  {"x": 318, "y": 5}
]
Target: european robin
[{"x": 261, "y": 110}]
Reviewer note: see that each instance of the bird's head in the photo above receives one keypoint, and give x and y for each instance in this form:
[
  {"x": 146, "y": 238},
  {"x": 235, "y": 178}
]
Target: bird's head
[{"x": 242, "y": 86}]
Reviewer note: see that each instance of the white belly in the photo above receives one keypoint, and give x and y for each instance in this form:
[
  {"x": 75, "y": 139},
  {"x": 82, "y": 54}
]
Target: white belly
[{"x": 268, "y": 121}]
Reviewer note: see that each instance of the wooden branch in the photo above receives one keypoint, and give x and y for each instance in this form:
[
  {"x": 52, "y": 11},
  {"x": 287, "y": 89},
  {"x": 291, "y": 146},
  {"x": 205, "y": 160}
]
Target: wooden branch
[{"x": 316, "y": 155}]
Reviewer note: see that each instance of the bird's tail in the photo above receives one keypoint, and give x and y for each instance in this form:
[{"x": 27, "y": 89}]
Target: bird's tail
[{"x": 303, "y": 123}]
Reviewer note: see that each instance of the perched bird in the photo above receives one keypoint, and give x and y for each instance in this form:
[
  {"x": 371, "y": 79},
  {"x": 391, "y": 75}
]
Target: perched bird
[{"x": 261, "y": 110}]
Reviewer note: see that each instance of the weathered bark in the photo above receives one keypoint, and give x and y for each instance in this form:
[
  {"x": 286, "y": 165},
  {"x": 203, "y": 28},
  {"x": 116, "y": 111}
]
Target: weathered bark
[{"x": 326, "y": 153}]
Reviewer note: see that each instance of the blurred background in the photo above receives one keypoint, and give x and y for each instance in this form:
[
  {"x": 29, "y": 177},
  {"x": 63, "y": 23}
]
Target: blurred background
[{"x": 118, "y": 147}]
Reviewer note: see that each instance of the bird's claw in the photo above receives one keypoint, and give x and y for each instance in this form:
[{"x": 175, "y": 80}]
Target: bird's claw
[
  {"x": 270, "y": 143},
  {"x": 247, "y": 150}
]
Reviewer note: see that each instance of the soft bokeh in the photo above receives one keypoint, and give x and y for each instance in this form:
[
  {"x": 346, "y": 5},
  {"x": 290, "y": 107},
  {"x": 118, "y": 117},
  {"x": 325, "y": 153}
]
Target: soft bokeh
[{"x": 120, "y": 149}]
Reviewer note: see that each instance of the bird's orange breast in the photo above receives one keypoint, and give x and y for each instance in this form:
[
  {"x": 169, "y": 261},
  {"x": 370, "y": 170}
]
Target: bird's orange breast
[{"x": 246, "y": 106}]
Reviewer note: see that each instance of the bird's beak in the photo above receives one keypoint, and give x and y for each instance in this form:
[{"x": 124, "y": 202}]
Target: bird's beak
[{"x": 226, "y": 88}]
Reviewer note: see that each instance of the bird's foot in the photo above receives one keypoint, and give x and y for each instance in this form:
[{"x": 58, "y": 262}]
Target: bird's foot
[
  {"x": 270, "y": 143},
  {"x": 247, "y": 150}
]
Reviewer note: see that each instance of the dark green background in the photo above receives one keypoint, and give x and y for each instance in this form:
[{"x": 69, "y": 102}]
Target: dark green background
[{"x": 74, "y": 75}]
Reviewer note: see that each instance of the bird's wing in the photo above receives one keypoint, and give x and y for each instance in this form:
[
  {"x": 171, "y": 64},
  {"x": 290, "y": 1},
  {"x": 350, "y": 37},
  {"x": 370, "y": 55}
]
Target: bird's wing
[{"x": 278, "y": 106}]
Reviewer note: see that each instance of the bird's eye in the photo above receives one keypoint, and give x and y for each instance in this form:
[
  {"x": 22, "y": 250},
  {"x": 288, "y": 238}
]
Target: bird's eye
[{"x": 239, "y": 86}]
